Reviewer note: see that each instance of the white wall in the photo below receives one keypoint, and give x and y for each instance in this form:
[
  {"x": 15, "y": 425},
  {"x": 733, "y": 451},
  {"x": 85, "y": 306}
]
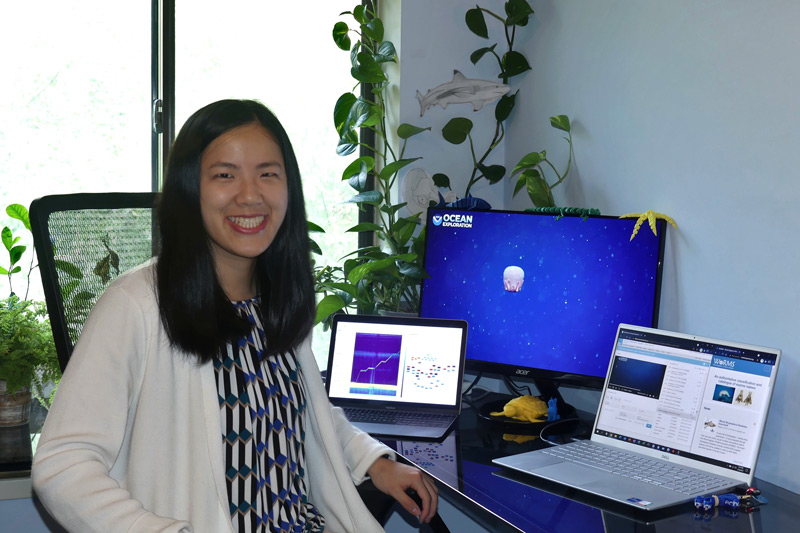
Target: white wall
[{"x": 689, "y": 108}]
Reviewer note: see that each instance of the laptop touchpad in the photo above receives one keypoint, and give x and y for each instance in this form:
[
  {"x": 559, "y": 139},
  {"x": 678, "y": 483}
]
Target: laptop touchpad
[{"x": 571, "y": 473}]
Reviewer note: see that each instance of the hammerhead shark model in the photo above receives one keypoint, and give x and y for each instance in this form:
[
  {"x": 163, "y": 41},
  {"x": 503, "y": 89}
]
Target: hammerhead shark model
[{"x": 462, "y": 91}]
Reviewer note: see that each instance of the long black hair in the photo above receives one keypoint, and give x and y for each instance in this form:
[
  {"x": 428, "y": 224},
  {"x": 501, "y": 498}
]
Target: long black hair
[{"x": 197, "y": 315}]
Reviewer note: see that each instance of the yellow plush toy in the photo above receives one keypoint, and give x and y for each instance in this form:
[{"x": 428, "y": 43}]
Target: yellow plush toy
[{"x": 527, "y": 408}]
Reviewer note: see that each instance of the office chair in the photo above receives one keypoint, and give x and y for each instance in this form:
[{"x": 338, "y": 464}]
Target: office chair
[{"x": 84, "y": 241}]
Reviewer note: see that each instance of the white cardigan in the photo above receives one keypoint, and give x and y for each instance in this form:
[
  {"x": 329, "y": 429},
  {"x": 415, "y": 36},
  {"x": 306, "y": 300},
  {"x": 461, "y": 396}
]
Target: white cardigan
[{"x": 133, "y": 439}]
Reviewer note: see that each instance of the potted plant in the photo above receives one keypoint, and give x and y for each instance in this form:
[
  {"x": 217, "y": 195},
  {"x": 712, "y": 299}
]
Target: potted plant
[
  {"x": 28, "y": 359},
  {"x": 385, "y": 275}
]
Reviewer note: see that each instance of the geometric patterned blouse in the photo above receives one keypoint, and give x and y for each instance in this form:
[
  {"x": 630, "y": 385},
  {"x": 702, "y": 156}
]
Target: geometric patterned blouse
[{"x": 262, "y": 413}]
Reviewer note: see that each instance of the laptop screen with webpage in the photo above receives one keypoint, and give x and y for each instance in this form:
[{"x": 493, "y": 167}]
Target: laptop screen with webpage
[
  {"x": 395, "y": 359},
  {"x": 692, "y": 400}
]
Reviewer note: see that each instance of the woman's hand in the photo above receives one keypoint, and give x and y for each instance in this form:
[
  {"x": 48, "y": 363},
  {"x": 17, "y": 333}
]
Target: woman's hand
[{"x": 394, "y": 479}]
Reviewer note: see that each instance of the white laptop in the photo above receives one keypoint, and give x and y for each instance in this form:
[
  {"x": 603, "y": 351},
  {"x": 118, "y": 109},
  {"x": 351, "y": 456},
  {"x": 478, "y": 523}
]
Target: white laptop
[
  {"x": 691, "y": 410},
  {"x": 397, "y": 376}
]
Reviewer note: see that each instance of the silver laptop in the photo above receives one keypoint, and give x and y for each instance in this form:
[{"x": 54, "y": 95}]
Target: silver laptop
[
  {"x": 686, "y": 412},
  {"x": 397, "y": 376}
]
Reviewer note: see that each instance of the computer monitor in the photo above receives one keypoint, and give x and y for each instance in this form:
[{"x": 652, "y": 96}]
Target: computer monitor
[{"x": 542, "y": 294}]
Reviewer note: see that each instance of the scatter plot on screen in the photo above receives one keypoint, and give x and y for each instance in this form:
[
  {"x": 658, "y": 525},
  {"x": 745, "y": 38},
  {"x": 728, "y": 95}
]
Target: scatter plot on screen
[
  {"x": 376, "y": 364},
  {"x": 426, "y": 372}
]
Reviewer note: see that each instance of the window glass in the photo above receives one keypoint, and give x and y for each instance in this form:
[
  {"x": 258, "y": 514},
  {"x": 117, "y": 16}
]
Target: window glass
[
  {"x": 75, "y": 117},
  {"x": 76, "y": 103},
  {"x": 282, "y": 54}
]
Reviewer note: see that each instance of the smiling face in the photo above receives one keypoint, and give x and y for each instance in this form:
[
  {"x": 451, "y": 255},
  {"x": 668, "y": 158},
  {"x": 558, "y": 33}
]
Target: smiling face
[{"x": 243, "y": 201}]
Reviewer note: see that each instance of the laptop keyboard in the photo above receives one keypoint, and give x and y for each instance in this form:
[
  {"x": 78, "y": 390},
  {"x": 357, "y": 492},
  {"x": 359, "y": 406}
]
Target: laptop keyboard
[
  {"x": 661, "y": 473},
  {"x": 404, "y": 418}
]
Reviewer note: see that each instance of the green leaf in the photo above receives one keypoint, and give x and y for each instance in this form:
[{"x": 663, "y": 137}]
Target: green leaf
[
  {"x": 364, "y": 226},
  {"x": 390, "y": 169},
  {"x": 478, "y": 54},
  {"x": 493, "y": 173},
  {"x": 7, "y": 237},
  {"x": 408, "y": 258},
  {"x": 341, "y": 110},
  {"x": 68, "y": 268},
  {"x": 457, "y": 130},
  {"x": 367, "y": 250},
  {"x": 16, "y": 254},
  {"x": 521, "y": 183},
  {"x": 314, "y": 247},
  {"x": 367, "y": 197},
  {"x": 357, "y": 172},
  {"x": 386, "y": 265},
  {"x": 103, "y": 269},
  {"x": 419, "y": 243},
  {"x": 19, "y": 212},
  {"x": 538, "y": 189},
  {"x": 354, "y": 53},
  {"x": 359, "y": 113},
  {"x": 368, "y": 70},
  {"x": 68, "y": 288},
  {"x": 413, "y": 271},
  {"x": 314, "y": 228},
  {"x": 3, "y": 271},
  {"x": 530, "y": 160},
  {"x": 441, "y": 180},
  {"x": 373, "y": 29},
  {"x": 386, "y": 53},
  {"x": 347, "y": 144},
  {"x": 327, "y": 306},
  {"x": 514, "y": 64},
  {"x": 392, "y": 209},
  {"x": 113, "y": 258},
  {"x": 363, "y": 113},
  {"x": 517, "y": 12},
  {"x": 342, "y": 287},
  {"x": 360, "y": 14},
  {"x": 340, "y": 35},
  {"x": 560, "y": 122},
  {"x": 83, "y": 299},
  {"x": 402, "y": 232},
  {"x": 504, "y": 107},
  {"x": 476, "y": 22},
  {"x": 405, "y": 131}
]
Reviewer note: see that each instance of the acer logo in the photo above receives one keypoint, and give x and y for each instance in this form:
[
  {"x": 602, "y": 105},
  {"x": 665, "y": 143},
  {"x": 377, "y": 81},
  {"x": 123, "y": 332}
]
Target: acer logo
[{"x": 521, "y": 372}]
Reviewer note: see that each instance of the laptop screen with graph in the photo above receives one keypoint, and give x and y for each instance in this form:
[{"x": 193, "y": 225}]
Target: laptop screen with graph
[{"x": 397, "y": 364}]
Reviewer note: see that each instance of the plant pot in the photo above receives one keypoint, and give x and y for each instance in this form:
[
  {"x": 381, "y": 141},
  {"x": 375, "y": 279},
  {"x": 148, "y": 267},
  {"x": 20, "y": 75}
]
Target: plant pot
[{"x": 15, "y": 409}]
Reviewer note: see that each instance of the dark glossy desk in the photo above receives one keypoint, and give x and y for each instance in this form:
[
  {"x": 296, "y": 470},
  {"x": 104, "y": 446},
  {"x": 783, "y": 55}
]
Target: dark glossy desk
[{"x": 484, "y": 492}]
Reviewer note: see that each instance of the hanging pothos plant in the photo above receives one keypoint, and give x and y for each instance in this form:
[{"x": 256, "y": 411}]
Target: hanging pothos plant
[
  {"x": 386, "y": 275},
  {"x": 530, "y": 171}
]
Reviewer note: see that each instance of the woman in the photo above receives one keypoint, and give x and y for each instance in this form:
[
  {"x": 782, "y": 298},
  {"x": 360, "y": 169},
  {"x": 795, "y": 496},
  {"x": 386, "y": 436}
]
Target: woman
[{"x": 192, "y": 401}]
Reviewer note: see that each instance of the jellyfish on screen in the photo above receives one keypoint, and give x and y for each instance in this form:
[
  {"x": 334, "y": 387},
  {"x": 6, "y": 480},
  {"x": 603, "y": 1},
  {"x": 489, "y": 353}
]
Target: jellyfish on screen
[{"x": 513, "y": 277}]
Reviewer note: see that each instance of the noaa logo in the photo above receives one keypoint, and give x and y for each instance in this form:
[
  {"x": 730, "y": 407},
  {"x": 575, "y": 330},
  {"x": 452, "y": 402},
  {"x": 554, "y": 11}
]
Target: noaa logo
[{"x": 452, "y": 220}]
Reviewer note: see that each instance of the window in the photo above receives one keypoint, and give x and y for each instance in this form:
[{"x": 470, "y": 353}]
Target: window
[{"x": 77, "y": 117}]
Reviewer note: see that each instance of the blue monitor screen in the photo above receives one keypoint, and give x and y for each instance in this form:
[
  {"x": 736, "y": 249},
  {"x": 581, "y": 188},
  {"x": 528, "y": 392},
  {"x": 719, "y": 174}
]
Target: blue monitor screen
[{"x": 543, "y": 295}]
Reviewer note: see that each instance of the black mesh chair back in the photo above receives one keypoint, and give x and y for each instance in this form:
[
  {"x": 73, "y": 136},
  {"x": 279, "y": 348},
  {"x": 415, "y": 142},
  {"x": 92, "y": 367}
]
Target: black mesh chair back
[{"x": 83, "y": 242}]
